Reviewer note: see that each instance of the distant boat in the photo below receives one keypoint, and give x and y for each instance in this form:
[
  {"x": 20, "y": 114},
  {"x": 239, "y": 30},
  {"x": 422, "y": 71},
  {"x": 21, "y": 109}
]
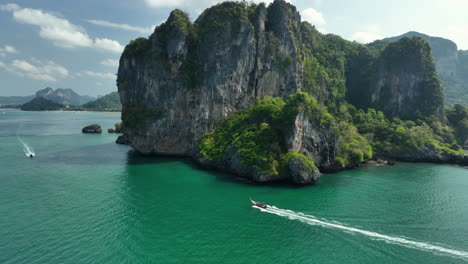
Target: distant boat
[
  {"x": 259, "y": 204},
  {"x": 31, "y": 155}
]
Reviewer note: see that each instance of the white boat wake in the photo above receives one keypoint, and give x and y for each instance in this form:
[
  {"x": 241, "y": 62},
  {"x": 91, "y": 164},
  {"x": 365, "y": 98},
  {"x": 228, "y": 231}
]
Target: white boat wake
[
  {"x": 311, "y": 220},
  {"x": 28, "y": 151}
]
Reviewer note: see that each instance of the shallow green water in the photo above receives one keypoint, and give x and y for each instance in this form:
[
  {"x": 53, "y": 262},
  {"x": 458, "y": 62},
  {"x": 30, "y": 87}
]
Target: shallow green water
[{"x": 84, "y": 199}]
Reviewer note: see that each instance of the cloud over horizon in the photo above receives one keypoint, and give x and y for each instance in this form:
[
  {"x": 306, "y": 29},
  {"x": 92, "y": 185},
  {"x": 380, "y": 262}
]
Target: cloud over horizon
[
  {"x": 36, "y": 69},
  {"x": 313, "y": 16},
  {"x": 7, "y": 49},
  {"x": 60, "y": 31},
  {"x": 365, "y": 37},
  {"x": 110, "y": 62},
  {"x": 102, "y": 75},
  {"x": 127, "y": 27}
]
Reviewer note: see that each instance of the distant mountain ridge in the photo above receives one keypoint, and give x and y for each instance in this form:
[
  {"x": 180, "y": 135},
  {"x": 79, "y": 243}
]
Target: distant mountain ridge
[
  {"x": 59, "y": 95},
  {"x": 451, "y": 64},
  {"x": 64, "y": 96},
  {"x": 15, "y": 100}
]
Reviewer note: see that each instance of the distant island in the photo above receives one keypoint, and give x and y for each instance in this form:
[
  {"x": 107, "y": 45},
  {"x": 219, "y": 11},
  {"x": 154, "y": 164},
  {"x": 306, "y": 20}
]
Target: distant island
[
  {"x": 49, "y": 99},
  {"x": 41, "y": 104}
]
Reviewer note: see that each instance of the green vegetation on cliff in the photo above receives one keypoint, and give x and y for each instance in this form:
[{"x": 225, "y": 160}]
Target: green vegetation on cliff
[
  {"x": 396, "y": 137},
  {"x": 415, "y": 54},
  {"x": 452, "y": 66},
  {"x": 137, "y": 47},
  {"x": 135, "y": 115},
  {"x": 258, "y": 133},
  {"x": 353, "y": 148},
  {"x": 458, "y": 118}
]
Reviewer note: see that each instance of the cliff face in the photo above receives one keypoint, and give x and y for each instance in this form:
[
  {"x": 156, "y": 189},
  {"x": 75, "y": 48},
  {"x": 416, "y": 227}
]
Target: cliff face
[
  {"x": 451, "y": 64},
  {"x": 199, "y": 74},
  {"x": 445, "y": 52},
  {"x": 186, "y": 79},
  {"x": 406, "y": 84}
]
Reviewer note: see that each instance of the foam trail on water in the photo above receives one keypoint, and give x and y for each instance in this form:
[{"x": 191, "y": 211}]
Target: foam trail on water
[
  {"x": 27, "y": 149},
  {"x": 311, "y": 220}
]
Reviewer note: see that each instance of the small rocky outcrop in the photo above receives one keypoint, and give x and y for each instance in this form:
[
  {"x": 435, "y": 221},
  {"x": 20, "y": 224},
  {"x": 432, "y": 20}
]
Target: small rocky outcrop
[
  {"x": 94, "y": 128},
  {"x": 118, "y": 128},
  {"x": 123, "y": 140},
  {"x": 303, "y": 173}
]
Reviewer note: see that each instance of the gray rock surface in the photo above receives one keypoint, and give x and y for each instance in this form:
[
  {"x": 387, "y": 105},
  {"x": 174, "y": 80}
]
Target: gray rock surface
[
  {"x": 94, "y": 128},
  {"x": 405, "y": 85},
  {"x": 123, "y": 139},
  {"x": 312, "y": 140},
  {"x": 237, "y": 63},
  {"x": 301, "y": 173}
]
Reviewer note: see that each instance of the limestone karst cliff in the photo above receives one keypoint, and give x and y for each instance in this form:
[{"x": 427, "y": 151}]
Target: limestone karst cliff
[
  {"x": 406, "y": 84},
  {"x": 451, "y": 64},
  {"x": 185, "y": 80},
  {"x": 200, "y": 73}
]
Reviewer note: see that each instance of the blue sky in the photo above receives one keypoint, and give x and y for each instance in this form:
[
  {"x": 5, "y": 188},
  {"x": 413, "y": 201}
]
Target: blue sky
[{"x": 77, "y": 44}]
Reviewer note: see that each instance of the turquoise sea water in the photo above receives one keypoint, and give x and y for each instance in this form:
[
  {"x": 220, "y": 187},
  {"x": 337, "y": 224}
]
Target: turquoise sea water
[{"x": 84, "y": 199}]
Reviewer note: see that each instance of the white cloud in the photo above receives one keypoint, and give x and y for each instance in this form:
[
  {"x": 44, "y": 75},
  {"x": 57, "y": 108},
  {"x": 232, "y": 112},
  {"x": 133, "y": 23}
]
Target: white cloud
[
  {"x": 3, "y": 65},
  {"x": 9, "y": 7},
  {"x": 36, "y": 69},
  {"x": 60, "y": 31},
  {"x": 313, "y": 16},
  {"x": 103, "y": 75},
  {"x": 108, "y": 44},
  {"x": 367, "y": 33},
  {"x": 365, "y": 37},
  {"x": 110, "y": 62},
  {"x": 7, "y": 49},
  {"x": 127, "y": 27}
]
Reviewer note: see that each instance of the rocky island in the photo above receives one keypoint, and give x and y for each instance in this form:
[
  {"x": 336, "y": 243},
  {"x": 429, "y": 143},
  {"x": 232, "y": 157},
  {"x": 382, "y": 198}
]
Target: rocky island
[
  {"x": 253, "y": 90},
  {"x": 41, "y": 104}
]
